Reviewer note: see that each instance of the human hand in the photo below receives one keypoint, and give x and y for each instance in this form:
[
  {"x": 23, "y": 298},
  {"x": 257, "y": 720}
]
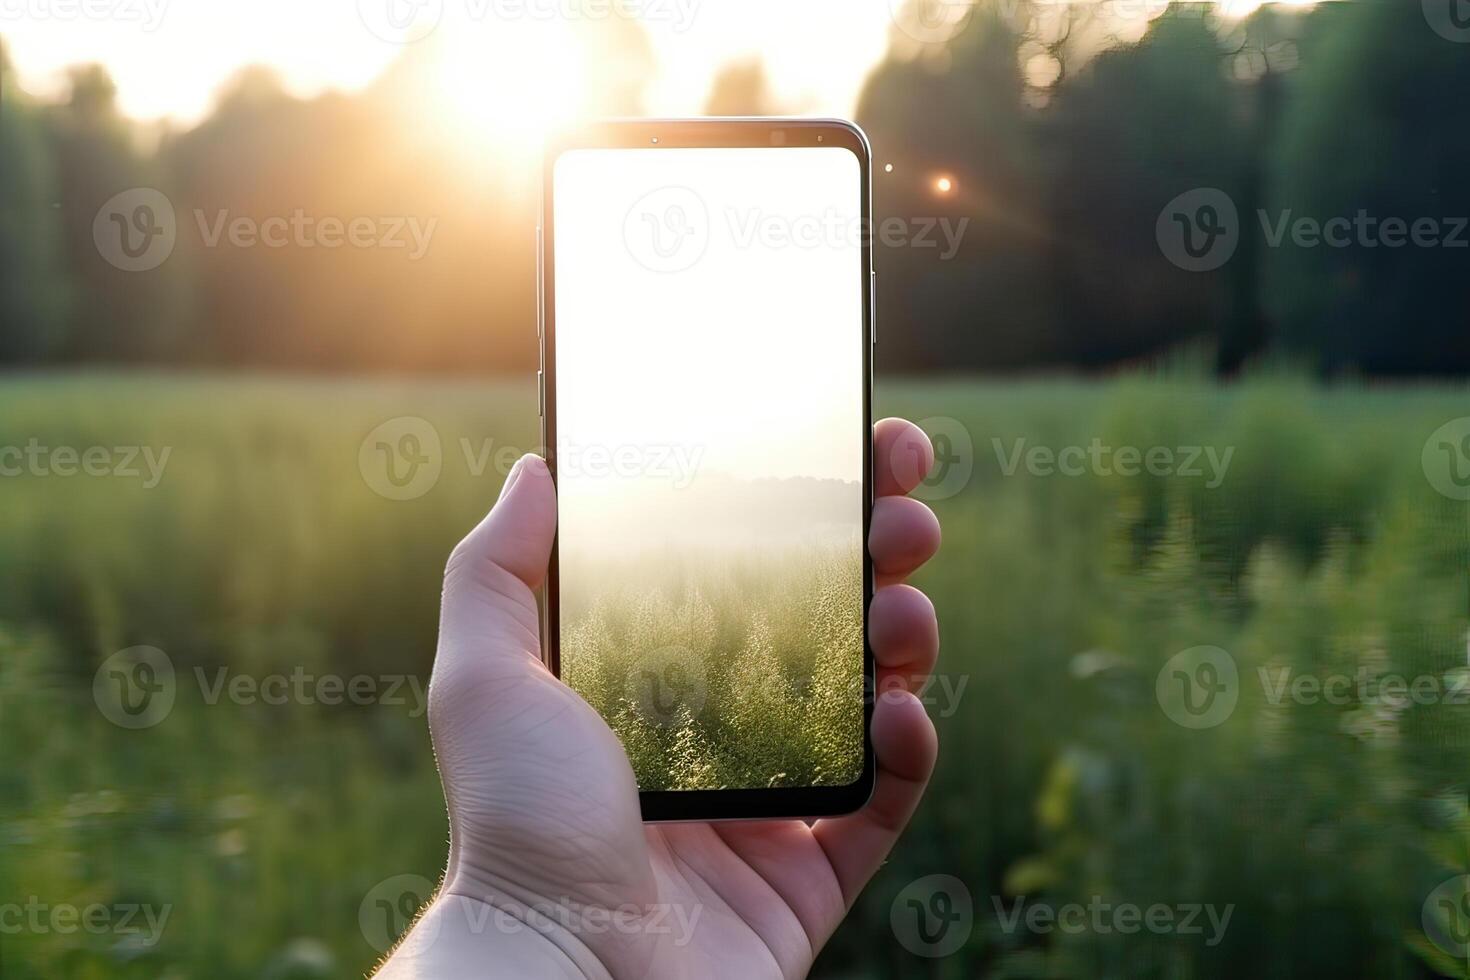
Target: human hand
[{"x": 551, "y": 870}]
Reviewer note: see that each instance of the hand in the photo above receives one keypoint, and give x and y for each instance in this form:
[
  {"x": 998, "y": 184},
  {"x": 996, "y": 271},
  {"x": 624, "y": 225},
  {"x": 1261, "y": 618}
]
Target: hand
[{"x": 551, "y": 870}]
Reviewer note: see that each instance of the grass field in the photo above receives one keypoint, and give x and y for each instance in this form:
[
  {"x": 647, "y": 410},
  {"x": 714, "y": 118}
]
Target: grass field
[
  {"x": 752, "y": 679},
  {"x": 1078, "y": 766}
]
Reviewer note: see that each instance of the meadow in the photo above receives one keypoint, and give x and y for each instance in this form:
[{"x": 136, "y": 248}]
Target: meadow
[
  {"x": 1080, "y": 593},
  {"x": 752, "y": 678}
]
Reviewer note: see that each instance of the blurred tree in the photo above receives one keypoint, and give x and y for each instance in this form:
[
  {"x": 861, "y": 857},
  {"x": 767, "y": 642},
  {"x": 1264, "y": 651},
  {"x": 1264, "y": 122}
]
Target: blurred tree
[
  {"x": 93, "y": 95},
  {"x": 623, "y": 56},
  {"x": 401, "y": 154},
  {"x": 1375, "y": 133},
  {"x": 263, "y": 155},
  {"x": 117, "y": 315},
  {"x": 33, "y": 283},
  {"x": 1137, "y": 127},
  {"x": 741, "y": 89},
  {"x": 952, "y": 111},
  {"x": 1264, "y": 54},
  {"x": 1025, "y": 152}
]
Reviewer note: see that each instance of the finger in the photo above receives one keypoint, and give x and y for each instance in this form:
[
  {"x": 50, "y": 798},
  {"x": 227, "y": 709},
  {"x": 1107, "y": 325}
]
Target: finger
[
  {"x": 903, "y": 633},
  {"x": 904, "y": 534},
  {"x": 489, "y": 580},
  {"x": 786, "y": 858},
  {"x": 906, "y": 745},
  {"x": 902, "y": 457}
]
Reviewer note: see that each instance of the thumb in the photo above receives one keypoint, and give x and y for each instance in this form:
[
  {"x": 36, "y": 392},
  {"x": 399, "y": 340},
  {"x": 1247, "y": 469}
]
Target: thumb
[{"x": 491, "y": 575}]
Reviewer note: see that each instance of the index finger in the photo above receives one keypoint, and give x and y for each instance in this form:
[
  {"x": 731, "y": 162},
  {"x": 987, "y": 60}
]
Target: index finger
[{"x": 902, "y": 457}]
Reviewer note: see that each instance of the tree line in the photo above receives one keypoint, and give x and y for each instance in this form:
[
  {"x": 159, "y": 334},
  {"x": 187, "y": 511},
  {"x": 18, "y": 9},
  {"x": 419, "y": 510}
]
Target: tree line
[{"x": 1290, "y": 185}]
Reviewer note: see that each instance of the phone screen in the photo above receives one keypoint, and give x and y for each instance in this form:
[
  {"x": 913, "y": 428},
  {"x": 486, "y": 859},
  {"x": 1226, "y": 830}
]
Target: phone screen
[{"x": 709, "y": 429}]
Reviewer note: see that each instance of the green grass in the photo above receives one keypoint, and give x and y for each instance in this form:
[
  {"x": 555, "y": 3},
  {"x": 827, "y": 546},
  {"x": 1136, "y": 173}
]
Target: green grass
[
  {"x": 752, "y": 679},
  {"x": 1324, "y": 551}
]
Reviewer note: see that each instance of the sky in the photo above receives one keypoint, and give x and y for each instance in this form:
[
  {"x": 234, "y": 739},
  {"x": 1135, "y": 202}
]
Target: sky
[
  {"x": 168, "y": 57},
  {"x": 645, "y": 236},
  {"x": 768, "y": 381}
]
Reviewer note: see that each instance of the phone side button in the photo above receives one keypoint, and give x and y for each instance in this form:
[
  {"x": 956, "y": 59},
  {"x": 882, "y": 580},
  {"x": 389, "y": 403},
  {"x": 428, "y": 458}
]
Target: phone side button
[
  {"x": 541, "y": 393},
  {"x": 873, "y": 305}
]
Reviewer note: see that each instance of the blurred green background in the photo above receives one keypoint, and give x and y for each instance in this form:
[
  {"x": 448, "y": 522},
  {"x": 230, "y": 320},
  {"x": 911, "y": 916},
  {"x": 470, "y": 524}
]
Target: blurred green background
[
  {"x": 266, "y": 549},
  {"x": 1329, "y": 383}
]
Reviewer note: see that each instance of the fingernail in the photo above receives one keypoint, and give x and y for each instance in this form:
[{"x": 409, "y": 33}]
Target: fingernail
[{"x": 511, "y": 478}]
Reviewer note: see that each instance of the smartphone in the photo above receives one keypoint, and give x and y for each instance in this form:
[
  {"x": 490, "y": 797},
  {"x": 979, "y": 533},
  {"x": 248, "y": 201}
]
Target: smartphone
[{"x": 706, "y": 385}]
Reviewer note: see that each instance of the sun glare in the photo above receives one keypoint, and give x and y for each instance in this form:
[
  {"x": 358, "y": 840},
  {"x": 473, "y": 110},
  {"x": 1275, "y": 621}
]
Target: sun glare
[
  {"x": 1235, "y": 9},
  {"x": 505, "y": 93}
]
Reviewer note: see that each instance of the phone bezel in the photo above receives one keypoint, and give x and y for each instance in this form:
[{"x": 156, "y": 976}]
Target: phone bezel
[{"x": 769, "y": 133}]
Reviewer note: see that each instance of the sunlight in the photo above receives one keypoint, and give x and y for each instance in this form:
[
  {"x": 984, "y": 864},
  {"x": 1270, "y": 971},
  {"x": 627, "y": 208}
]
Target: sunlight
[
  {"x": 1244, "y": 8},
  {"x": 504, "y": 92}
]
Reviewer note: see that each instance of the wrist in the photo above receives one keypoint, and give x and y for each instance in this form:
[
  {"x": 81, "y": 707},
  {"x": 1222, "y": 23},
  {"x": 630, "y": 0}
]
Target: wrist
[{"x": 461, "y": 935}]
